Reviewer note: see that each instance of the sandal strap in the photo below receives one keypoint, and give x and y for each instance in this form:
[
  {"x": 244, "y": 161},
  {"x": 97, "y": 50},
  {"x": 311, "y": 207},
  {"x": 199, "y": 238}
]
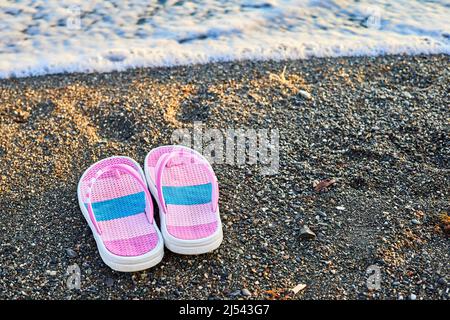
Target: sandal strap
[
  {"x": 124, "y": 168},
  {"x": 164, "y": 162}
]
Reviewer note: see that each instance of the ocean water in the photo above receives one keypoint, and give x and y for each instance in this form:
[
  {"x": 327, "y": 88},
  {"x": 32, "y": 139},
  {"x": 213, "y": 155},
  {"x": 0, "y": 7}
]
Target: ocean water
[{"x": 42, "y": 37}]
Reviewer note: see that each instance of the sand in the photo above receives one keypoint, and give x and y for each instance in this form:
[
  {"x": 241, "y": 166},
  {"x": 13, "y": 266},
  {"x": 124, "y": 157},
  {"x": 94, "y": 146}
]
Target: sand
[{"x": 378, "y": 126}]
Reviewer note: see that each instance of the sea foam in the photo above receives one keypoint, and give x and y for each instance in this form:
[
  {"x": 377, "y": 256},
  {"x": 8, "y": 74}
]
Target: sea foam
[{"x": 45, "y": 37}]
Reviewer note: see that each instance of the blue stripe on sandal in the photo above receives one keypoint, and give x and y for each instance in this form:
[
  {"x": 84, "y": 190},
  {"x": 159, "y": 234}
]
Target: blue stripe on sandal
[
  {"x": 188, "y": 195},
  {"x": 119, "y": 207}
]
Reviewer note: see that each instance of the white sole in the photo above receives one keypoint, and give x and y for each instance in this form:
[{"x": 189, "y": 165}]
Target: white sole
[
  {"x": 180, "y": 246},
  {"x": 121, "y": 263}
]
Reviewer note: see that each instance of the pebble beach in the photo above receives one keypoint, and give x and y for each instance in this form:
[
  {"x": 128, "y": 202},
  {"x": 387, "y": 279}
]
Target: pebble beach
[{"x": 363, "y": 179}]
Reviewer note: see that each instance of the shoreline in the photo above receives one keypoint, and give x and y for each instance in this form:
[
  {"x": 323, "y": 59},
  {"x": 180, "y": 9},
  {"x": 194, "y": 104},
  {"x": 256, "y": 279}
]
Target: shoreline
[
  {"x": 85, "y": 75},
  {"x": 377, "y": 125}
]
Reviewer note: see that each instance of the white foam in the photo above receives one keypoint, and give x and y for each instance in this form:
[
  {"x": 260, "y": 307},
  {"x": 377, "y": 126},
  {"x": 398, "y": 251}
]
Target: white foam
[{"x": 43, "y": 37}]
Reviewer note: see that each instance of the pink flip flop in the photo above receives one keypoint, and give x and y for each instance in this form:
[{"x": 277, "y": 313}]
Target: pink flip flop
[
  {"x": 187, "y": 192},
  {"x": 118, "y": 207}
]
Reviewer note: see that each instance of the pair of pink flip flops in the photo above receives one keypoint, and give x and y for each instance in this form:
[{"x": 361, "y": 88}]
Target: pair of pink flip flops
[{"x": 115, "y": 200}]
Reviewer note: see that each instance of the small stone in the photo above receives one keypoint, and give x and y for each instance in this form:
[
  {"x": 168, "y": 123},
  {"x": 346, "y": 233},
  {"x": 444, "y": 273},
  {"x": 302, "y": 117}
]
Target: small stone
[
  {"x": 407, "y": 95},
  {"x": 306, "y": 233},
  {"x": 305, "y": 94},
  {"x": 235, "y": 293},
  {"x": 412, "y": 296},
  {"x": 246, "y": 292},
  {"x": 71, "y": 253},
  {"x": 323, "y": 214},
  {"x": 22, "y": 116},
  {"x": 298, "y": 288}
]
